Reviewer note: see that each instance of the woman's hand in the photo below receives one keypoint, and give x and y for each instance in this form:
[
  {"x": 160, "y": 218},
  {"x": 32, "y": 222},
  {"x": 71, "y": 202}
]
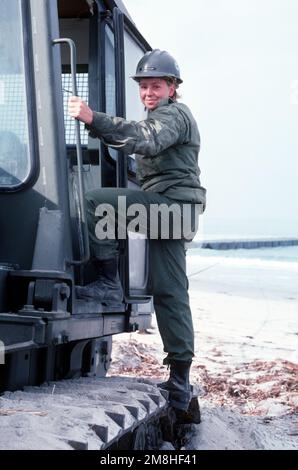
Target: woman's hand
[{"x": 78, "y": 109}]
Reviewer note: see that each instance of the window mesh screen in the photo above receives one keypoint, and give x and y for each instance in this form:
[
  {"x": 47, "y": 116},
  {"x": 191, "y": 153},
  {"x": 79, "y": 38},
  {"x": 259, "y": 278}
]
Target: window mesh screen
[{"x": 82, "y": 84}]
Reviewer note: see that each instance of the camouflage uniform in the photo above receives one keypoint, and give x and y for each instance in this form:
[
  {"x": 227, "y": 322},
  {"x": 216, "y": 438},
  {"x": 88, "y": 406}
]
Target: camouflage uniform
[{"x": 166, "y": 147}]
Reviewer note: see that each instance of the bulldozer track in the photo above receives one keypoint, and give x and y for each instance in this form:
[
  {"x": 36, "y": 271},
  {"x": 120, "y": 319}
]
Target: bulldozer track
[{"x": 83, "y": 414}]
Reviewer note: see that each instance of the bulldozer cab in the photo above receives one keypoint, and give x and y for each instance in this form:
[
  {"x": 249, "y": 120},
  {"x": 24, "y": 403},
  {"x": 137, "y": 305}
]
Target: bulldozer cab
[{"x": 51, "y": 49}]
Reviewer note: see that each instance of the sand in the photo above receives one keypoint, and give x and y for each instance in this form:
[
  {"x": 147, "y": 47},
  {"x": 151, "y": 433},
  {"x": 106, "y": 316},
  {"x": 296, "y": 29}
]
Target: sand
[{"x": 246, "y": 362}]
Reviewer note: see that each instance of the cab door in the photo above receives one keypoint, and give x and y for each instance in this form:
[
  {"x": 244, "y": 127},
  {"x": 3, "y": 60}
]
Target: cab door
[
  {"x": 108, "y": 49},
  {"x": 123, "y": 49}
]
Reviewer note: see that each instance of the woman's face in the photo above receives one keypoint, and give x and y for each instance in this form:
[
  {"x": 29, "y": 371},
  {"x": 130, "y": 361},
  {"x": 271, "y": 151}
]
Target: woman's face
[{"x": 154, "y": 90}]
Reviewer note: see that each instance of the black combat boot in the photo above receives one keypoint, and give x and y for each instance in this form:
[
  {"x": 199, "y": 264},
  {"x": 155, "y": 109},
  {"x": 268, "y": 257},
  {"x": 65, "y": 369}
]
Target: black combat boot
[
  {"x": 107, "y": 288},
  {"x": 178, "y": 386}
]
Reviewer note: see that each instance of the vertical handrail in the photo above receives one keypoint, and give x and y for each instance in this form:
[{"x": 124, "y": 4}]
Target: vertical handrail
[
  {"x": 118, "y": 23},
  {"x": 121, "y": 162},
  {"x": 73, "y": 61}
]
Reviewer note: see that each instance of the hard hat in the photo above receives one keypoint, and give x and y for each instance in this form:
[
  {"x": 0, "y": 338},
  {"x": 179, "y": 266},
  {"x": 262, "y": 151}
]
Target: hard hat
[{"x": 157, "y": 63}]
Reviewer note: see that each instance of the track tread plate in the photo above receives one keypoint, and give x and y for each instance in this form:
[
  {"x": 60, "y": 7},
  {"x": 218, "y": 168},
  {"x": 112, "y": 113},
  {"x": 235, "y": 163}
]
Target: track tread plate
[{"x": 84, "y": 413}]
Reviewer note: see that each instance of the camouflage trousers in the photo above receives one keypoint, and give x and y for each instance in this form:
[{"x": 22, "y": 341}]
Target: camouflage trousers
[{"x": 167, "y": 270}]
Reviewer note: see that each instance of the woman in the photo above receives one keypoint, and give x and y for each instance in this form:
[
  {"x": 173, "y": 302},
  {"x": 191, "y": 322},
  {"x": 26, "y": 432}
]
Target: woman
[{"x": 166, "y": 147}]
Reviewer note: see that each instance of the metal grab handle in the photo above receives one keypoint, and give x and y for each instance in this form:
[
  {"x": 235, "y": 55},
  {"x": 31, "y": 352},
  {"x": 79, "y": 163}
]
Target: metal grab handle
[{"x": 73, "y": 61}]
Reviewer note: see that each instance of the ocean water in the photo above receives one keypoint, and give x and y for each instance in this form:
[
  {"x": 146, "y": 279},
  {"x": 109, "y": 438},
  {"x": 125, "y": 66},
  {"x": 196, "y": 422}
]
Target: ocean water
[
  {"x": 275, "y": 255},
  {"x": 232, "y": 229}
]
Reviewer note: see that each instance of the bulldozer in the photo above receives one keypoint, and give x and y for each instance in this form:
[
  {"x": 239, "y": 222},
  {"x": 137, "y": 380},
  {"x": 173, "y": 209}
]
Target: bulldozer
[{"x": 55, "y": 349}]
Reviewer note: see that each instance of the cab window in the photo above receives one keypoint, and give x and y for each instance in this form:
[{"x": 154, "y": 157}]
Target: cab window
[{"x": 15, "y": 163}]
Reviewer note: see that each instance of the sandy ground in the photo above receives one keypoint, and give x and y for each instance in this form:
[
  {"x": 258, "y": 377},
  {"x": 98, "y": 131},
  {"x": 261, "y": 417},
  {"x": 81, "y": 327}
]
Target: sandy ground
[{"x": 246, "y": 363}]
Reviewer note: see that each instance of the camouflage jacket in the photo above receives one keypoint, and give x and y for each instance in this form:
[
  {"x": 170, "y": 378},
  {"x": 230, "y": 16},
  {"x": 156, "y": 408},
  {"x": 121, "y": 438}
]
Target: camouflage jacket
[{"x": 166, "y": 147}]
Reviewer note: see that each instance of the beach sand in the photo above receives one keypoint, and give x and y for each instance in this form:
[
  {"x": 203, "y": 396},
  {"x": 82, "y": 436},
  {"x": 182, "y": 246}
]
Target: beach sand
[{"x": 246, "y": 358}]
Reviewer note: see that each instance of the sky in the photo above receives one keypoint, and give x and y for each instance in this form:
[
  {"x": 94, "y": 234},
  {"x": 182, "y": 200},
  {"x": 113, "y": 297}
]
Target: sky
[{"x": 239, "y": 63}]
